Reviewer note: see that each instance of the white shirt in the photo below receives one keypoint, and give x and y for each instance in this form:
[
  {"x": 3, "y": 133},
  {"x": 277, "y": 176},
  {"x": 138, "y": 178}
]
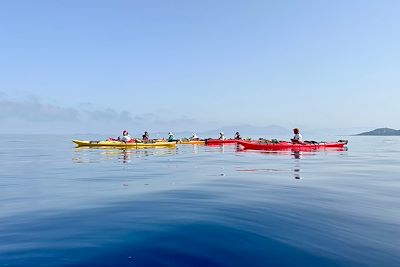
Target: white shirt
[
  {"x": 298, "y": 137},
  {"x": 126, "y": 138}
]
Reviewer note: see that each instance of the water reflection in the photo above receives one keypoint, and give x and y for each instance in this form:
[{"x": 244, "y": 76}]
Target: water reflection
[
  {"x": 124, "y": 155},
  {"x": 296, "y": 173},
  {"x": 220, "y": 148},
  {"x": 195, "y": 149},
  {"x": 297, "y": 156}
]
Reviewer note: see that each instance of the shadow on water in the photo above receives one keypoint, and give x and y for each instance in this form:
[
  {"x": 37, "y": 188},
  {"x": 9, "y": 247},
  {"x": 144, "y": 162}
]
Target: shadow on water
[{"x": 179, "y": 228}]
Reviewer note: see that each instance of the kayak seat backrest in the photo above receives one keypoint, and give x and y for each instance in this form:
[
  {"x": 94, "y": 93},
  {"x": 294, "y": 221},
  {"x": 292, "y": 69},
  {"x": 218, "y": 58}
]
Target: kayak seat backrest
[{"x": 311, "y": 142}]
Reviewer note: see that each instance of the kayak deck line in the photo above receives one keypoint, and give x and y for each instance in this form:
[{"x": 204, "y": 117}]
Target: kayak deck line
[{"x": 122, "y": 144}]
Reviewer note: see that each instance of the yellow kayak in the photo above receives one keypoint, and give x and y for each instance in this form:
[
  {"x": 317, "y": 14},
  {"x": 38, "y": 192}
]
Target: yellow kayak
[
  {"x": 192, "y": 142},
  {"x": 122, "y": 144}
]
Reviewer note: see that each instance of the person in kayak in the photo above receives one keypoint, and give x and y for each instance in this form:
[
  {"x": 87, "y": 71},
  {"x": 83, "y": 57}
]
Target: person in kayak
[
  {"x": 194, "y": 137},
  {"x": 171, "y": 137},
  {"x": 297, "y": 138},
  {"x": 221, "y": 136},
  {"x": 125, "y": 137},
  {"x": 237, "y": 136},
  {"x": 145, "y": 136}
]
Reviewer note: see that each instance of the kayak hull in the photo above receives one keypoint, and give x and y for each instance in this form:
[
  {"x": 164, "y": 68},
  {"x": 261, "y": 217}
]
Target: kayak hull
[
  {"x": 198, "y": 142},
  {"x": 221, "y": 142},
  {"x": 81, "y": 143},
  {"x": 290, "y": 146}
]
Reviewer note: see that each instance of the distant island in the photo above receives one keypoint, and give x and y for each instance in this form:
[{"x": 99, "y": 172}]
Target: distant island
[{"x": 381, "y": 132}]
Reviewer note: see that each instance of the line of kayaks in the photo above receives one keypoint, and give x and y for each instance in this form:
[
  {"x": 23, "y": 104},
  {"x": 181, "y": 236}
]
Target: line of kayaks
[
  {"x": 152, "y": 143},
  {"x": 252, "y": 145},
  {"x": 276, "y": 145}
]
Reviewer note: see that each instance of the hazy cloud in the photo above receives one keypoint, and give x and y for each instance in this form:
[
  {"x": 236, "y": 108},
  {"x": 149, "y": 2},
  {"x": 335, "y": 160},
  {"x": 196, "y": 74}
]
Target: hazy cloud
[
  {"x": 32, "y": 110},
  {"x": 145, "y": 117},
  {"x": 106, "y": 115},
  {"x": 35, "y": 115}
]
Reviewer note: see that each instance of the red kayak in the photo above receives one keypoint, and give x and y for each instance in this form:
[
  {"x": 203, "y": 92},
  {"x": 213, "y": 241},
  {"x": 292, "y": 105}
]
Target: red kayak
[
  {"x": 283, "y": 145},
  {"x": 221, "y": 142}
]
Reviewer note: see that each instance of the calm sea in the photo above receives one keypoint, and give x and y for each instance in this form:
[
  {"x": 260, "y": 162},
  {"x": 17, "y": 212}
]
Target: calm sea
[{"x": 198, "y": 205}]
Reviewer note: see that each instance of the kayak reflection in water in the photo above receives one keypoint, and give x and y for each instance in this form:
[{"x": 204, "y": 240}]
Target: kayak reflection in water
[
  {"x": 221, "y": 136},
  {"x": 237, "y": 136},
  {"x": 297, "y": 154},
  {"x": 297, "y": 138}
]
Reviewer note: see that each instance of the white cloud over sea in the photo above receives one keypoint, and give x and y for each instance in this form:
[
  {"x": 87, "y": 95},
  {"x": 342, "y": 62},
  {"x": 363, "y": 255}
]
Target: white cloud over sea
[{"x": 32, "y": 115}]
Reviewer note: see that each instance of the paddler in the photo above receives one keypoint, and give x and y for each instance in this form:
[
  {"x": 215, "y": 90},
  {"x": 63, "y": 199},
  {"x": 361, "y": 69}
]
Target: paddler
[
  {"x": 145, "y": 136},
  {"x": 125, "y": 137},
  {"x": 297, "y": 138},
  {"x": 221, "y": 136},
  {"x": 194, "y": 137},
  {"x": 171, "y": 137},
  {"x": 237, "y": 136}
]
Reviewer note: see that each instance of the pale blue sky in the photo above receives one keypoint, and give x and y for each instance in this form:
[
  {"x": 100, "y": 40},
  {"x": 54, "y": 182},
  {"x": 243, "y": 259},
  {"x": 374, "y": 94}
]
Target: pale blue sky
[{"x": 311, "y": 64}]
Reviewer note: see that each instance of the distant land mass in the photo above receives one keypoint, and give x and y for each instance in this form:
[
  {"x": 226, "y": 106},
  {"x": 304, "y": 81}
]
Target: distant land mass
[{"x": 381, "y": 132}]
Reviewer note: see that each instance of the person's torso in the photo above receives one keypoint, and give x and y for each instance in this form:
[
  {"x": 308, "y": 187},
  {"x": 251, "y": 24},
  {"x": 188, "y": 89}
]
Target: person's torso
[
  {"x": 297, "y": 137},
  {"x": 126, "y": 138}
]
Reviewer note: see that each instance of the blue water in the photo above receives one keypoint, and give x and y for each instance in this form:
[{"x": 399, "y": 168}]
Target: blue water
[{"x": 198, "y": 205}]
